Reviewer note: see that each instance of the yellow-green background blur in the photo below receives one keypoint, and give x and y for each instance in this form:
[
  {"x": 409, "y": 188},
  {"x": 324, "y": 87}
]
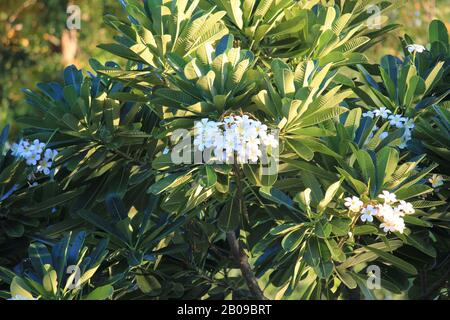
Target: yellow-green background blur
[{"x": 32, "y": 41}]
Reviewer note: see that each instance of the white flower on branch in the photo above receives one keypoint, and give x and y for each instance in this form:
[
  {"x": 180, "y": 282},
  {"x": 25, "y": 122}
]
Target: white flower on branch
[
  {"x": 353, "y": 203},
  {"x": 388, "y": 197},
  {"x": 415, "y": 48},
  {"x": 436, "y": 180}
]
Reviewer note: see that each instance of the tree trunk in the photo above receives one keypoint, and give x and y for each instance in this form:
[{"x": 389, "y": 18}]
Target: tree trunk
[{"x": 69, "y": 47}]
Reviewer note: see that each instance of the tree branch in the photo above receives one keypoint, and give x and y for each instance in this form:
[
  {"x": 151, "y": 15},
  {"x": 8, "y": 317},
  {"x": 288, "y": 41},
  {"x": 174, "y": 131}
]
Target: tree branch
[
  {"x": 240, "y": 256},
  {"x": 236, "y": 250}
]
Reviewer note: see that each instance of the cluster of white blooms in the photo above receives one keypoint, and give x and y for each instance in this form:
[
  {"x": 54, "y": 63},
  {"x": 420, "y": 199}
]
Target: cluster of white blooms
[
  {"x": 235, "y": 135},
  {"x": 395, "y": 120},
  {"x": 35, "y": 154},
  {"x": 390, "y": 212},
  {"x": 415, "y": 48}
]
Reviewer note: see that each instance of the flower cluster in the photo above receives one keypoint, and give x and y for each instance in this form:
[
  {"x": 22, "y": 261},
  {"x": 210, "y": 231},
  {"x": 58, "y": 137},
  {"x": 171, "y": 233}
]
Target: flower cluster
[
  {"x": 235, "y": 135},
  {"x": 395, "y": 120},
  {"x": 390, "y": 212},
  {"x": 35, "y": 154}
]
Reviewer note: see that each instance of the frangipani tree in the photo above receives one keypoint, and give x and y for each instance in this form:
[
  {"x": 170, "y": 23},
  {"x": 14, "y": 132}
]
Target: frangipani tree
[{"x": 236, "y": 82}]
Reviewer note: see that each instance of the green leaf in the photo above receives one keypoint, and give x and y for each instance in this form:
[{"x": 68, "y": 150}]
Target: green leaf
[
  {"x": 53, "y": 201},
  {"x": 116, "y": 207},
  {"x": 39, "y": 256},
  {"x": 358, "y": 185},
  {"x": 363, "y": 254},
  {"x": 365, "y": 229},
  {"x": 336, "y": 253},
  {"x": 230, "y": 216},
  {"x": 329, "y": 195},
  {"x": 169, "y": 182},
  {"x": 367, "y": 166},
  {"x": 50, "y": 281},
  {"x": 434, "y": 76},
  {"x": 301, "y": 149},
  {"x": 318, "y": 257},
  {"x": 420, "y": 204},
  {"x": 438, "y": 32},
  {"x": 395, "y": 261},
  {"x": 277, "y": 196},
  {"x": 293, "y": 239},
  {"x": 346, "y": 277},
  {"x": 413, "y": 191},
  {"x": 103, "y": 225},
  {"x": 321, "y": 116},
  {"x": 19, "y": 287},
  {"x": 233, "y": 10},
  {"x": 101, "y": 293},
  {"x": 148, "y": 284},
  {"x": 283, "y": 229},
  {"x": 387, "y": 159},
  {"x": 340, "y": 226},
  {"x": 13, "y": 229},
  {"x": 209, "y": 177},
  {"x": 323, "y": 230},
  {"x": 420, "y": 245},
  {"x": 416, "y": 221},
  {"x": 352, "y": 121}
]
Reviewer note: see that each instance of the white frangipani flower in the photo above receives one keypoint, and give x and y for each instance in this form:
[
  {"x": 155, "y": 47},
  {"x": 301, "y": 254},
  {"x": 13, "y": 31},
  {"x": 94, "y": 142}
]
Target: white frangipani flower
[
  {"x": 269, "y": 140},
  {"x": 384, "y": 209},
  {"x": 406, "y": 207},
  {"x": 50, "y": 154},
  {"x": 415, "y": 48},
  {"x": 388, "y": 197},
  {"x": 44, "y": 166},
  {"x": 383, "y": 112},
  {"x": 396, "y": 120},
  {"x": 37, "y": 146},
  {"x": 368, "y": 212},
  {"x": 368, "y": 114},
  {"x": 392, "y": 222},
  {"x": 353, "y": 204},
  {"x": 436, "y": 180},
  {"x": 33, "y": 158}
]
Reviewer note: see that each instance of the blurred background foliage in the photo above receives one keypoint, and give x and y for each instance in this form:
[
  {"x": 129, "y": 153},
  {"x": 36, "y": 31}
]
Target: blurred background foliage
[{"x": 35, "y": 44}]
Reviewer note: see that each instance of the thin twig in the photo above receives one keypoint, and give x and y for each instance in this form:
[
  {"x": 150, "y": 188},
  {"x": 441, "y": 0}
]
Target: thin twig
[
  {"x": 13, "y": 17},
  {"x": 126, "y": 156}
]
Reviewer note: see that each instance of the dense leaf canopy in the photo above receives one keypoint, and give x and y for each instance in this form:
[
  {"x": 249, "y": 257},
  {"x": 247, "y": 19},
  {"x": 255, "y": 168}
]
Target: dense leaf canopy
[{"x": 361, "y": 164}]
